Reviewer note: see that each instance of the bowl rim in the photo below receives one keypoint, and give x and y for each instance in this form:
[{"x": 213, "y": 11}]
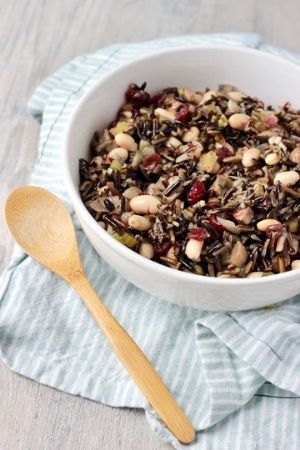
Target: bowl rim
[{"x": 134, "y": 257}]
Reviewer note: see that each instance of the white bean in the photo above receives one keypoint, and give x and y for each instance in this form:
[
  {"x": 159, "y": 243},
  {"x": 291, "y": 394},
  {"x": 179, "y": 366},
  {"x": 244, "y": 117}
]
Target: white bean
[
  {"x": 272, "y": 159},
  {"x": 288, "y": 178},
  {"x": 295, "y": 264},
  {"x": 146, "y": 249},
  {"x": 131, "y": 192},
  {"x": 250, "y": 157},
  {"x": 126, "y": 141},
  {"x": 193, "y": 249},
  {"x": 125, "y": 216},
  {"x": 145, "y": 204},
  {"x": 295, "y": 155},
  {"x": 119, "y": 153},
  {"x": 239, "y": 121},
  {"x": 262, "y": 225},
  {"x": 191, "y": 135},
  {"x": 139, "y": 223},
  {"x": 275, "y": 140},
  {"x": 151, "y": 189}
]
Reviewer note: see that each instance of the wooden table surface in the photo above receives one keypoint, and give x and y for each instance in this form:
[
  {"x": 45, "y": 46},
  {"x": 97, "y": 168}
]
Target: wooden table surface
[{"x": 36, "y": 38}]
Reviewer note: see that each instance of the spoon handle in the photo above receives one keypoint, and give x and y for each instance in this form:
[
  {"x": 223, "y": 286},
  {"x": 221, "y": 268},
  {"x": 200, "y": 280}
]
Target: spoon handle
[{"x": 136, "y": 363}]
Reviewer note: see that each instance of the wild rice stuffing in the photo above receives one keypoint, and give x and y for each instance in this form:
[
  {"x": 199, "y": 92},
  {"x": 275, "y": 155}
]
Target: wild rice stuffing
[{"x": 204, "y": 182}]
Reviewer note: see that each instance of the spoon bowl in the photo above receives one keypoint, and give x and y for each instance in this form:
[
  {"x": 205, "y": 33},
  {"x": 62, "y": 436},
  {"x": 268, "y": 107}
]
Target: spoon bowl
[{"x": 42, "y": 226}]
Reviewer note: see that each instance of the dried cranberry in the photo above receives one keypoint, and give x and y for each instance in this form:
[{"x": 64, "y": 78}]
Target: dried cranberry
[
  {"x": 222, "y": 153},
  {"x": 275, "y": 228},
  {"x": 196, "y": 192},
  {"x": 183, "y": 115},
  {"x": 199, "y": 234},
  {"x": 213, "y": 220},
  {"x": 137, "y": 96},
  {"x": 157, "y": 98},
  {"x": 151, "y": 162},
  {"x": 161, "y": 249}
]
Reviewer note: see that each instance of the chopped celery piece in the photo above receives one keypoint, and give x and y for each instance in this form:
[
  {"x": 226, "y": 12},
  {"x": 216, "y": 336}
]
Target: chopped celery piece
[
  {"x": 121, "y": 127},
  {"x": 125, "y": 238},
  {"x": 116, "y": 165}
]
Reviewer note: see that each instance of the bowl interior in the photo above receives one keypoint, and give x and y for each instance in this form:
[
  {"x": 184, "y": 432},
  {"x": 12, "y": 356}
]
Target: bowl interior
[{"x": 270, "y": 78}]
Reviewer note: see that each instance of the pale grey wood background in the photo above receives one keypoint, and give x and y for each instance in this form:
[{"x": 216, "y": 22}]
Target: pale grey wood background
[{"x": 36, "y": 37}]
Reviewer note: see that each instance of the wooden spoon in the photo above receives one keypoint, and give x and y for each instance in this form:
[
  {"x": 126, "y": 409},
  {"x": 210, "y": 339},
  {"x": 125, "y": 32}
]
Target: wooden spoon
[{"x": 42, "y": 226}]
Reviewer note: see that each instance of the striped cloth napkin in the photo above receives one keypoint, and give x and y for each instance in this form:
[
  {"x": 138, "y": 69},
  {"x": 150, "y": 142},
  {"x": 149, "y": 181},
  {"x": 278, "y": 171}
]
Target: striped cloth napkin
[{"x": 237, "y": 375}]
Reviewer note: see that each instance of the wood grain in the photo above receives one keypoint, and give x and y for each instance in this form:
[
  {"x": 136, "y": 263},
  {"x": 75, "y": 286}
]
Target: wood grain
[{"x": 36, "y": 38}]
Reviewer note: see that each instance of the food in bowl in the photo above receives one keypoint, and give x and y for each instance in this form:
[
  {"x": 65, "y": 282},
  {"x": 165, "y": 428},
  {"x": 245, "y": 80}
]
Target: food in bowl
[{"x": 204, "y": 182}]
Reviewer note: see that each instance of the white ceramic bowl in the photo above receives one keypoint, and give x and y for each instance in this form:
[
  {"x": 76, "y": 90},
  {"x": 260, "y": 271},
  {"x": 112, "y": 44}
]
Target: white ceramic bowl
[{"x": 272, "y": 79}]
